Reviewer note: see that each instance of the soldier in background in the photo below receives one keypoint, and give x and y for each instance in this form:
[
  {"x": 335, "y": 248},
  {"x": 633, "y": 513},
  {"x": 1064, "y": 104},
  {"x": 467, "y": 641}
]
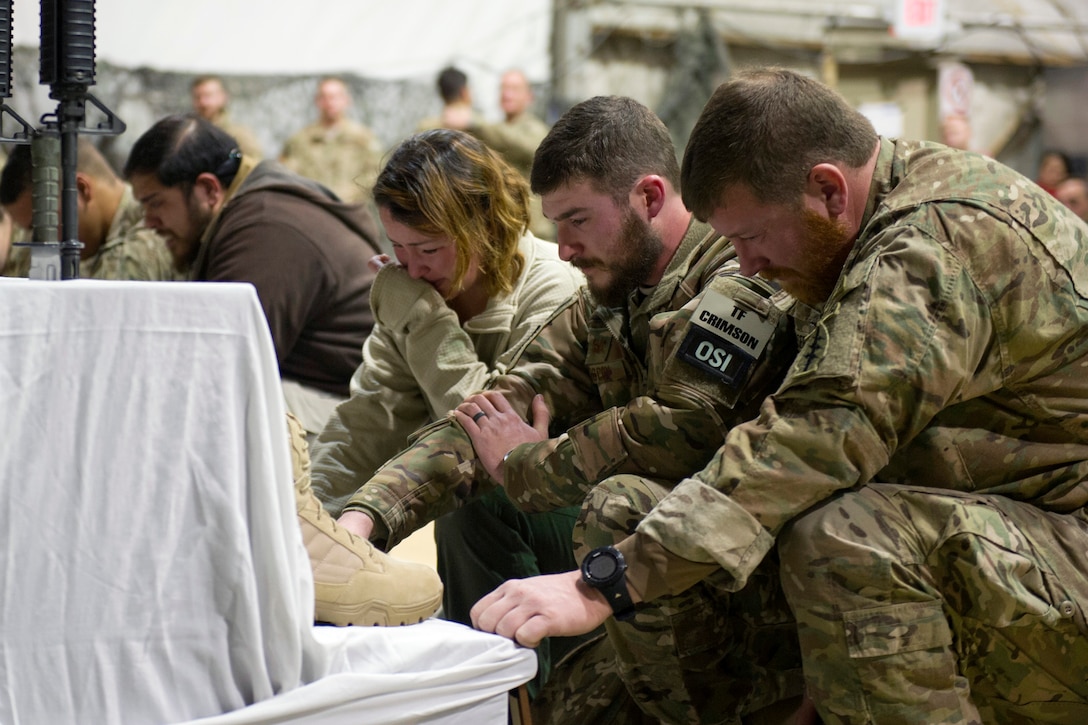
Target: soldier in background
[
  {"x": 116, "y": 243},
  {"x": 336, "y": 151},
  {"x": 1073, "y": 192},
  {"x": 622, "y": 388},
  {"x": 520, "y": 132},
  {"x": 457, "y": 111},
  {"x": 210, "y": 100},
  {"x": 517, "y": 137}
]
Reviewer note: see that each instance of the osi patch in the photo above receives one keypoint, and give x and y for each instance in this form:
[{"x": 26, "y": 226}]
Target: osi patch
[{"x": 725, "y": 339}]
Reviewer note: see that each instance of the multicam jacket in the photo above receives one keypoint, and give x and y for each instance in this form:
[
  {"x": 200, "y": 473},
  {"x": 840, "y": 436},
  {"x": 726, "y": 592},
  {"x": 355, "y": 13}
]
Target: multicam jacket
[
  {"x": 420, "y": 361},
  {"x": 346, "y": 157},
  {"x": 130, "y": 251},
  {"x": 952, "y": 353},
  {"x": 629, "y": 390}
]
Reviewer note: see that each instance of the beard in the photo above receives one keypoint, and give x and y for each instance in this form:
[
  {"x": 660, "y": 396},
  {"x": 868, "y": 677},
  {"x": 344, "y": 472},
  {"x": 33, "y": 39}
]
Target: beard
[
  {"x": 184, "y": 248},
  {"x": 641, "y": 249},
  {"x": 826, "y": 244}
]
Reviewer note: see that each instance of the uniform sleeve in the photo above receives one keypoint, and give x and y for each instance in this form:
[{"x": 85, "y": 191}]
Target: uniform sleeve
[
  {"x": 139, "y": 255},
  {"x": 386, "y": 405},
  {"x": 289, "y": 154},
  {"x": 516, "y": 142},
  {"x": 549, "y": 284},
  {"x": 666, "y": 433},
  {"x": 418, "y": 363},
  {"x": 439, "y": 354},
  {"x": 16, "y": 260},
  {"x": 438, "y": 472},
  {"x": 893, "y": 348}
]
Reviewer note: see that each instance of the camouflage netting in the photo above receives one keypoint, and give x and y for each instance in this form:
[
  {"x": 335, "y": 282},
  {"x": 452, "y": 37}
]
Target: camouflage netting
[{"x": 273, "y": 106}]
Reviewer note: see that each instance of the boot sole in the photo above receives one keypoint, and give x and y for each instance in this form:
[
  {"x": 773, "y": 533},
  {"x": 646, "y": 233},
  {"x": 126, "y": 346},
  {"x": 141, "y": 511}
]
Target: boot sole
[{"x": 376, "y": 613}]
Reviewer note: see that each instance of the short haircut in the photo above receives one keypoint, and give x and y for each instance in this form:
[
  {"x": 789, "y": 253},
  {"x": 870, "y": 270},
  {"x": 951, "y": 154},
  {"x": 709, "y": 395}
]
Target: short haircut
[
  {"x": 765, "y": 129},
  {"x": 332, "y": 79},
  {"x": 609, "y": 141},
  {"x": 448, "y": 183},
  {"x": 207, "y": 78},
  {"x": 180, "y": 148},
  {"x": 17, "y": 176},
  {"x": 451, "y": 83}
]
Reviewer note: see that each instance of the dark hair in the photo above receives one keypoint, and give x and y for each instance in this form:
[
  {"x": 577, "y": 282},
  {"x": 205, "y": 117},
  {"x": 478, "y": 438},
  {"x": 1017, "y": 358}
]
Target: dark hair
[
  {"x": 448, "y": 183},
  {"x": 765, "y": 129},
  {"x": 610, "y": 141},
  {"x": 1067, "y": 162},
  {"x": 17, "y": 176},
  {"x": 180, "y": 148},
  {"x": 451, "y": 82}
]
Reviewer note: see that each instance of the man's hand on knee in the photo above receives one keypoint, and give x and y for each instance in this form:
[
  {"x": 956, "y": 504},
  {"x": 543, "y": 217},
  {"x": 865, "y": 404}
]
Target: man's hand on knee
[{"x": 553, "y": 605}]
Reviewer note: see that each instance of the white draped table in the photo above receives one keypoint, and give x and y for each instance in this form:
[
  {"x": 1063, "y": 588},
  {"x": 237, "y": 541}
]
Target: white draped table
[{"x": 152, "y": 567}]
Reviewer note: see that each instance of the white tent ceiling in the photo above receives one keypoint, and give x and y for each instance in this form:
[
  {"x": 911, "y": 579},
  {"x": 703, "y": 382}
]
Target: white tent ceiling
[
  {"x": 374, "y": 38},
  {"x": 413, "y": 38}
]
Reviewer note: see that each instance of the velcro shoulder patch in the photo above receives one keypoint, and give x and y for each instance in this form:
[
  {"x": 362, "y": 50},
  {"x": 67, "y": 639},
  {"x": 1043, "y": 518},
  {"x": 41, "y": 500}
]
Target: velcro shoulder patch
[{"x": 728, "y": 335}]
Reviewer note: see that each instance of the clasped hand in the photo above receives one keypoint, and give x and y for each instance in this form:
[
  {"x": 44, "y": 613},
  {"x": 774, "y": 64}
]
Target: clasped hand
[{"x": 495, "y": 428}]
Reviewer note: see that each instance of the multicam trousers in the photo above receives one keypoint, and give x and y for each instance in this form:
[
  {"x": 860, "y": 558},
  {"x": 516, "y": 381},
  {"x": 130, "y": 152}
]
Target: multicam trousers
[
  {"x": 919, "y": 605},
  {"x": 705, "y": 656}
]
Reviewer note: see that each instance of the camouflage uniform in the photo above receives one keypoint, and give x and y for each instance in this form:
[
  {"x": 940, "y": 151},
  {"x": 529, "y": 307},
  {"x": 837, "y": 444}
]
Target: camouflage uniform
[
  {"x": 130, "y": 250},
  {"x": 624, "y": 399},
  {"x": 948, "y": 367},
  {"x": 516, "y": 140},
  {"x": 346, "y": 158},
  {"x": 247, "y": 141}
]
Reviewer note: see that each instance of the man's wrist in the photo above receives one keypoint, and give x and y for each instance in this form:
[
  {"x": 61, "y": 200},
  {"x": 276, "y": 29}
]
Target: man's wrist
[
  {"x": 604, "y": 569},
  {"x": 379, "y": 531}
]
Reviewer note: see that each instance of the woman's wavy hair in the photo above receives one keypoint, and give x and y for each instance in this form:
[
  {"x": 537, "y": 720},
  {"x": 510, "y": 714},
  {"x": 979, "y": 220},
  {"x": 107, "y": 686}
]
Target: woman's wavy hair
[{"x": 446, "y": 182}]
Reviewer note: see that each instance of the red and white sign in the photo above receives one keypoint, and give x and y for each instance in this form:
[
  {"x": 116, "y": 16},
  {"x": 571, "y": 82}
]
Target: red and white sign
[{"x": 919, "y": 19}]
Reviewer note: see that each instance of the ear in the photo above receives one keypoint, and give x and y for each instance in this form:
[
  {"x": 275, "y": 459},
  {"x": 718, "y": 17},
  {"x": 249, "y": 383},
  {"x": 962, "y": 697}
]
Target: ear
[
  {"x": 826, "y": 188},
  {"x": 209, "y": 189},
  {"x": 84, "y": 189},
  {"x": 650, "y": 192}
]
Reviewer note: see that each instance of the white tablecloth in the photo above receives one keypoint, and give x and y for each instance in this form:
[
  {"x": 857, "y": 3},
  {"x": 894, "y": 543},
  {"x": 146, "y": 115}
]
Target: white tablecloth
[{"x": 152, "y": 566}]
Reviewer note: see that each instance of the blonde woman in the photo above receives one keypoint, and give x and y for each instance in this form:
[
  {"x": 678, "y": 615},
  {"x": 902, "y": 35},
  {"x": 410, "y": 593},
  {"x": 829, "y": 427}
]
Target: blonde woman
[{"x": 469, "y": 283}]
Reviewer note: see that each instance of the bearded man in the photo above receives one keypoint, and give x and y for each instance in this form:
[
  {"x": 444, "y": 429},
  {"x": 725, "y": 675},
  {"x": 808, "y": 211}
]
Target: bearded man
[
  {"x": 229, "y": 217},
  {"x": 631, "y": 386}
]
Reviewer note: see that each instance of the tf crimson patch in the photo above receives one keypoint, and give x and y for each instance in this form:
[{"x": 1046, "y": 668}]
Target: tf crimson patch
[{"x": 725, "y": 339}]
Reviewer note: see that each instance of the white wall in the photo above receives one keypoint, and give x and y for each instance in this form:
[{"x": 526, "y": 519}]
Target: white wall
[{"x": 380, "y": 39}]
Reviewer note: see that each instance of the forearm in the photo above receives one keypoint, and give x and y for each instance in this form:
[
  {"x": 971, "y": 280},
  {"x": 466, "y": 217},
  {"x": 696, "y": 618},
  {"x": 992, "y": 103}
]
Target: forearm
[
  {"x": 435, "y": 475},
  {"x": 645, "y": 437},
  {"x": 373, "y": 425},
  {"x": 443, "y": 360}
]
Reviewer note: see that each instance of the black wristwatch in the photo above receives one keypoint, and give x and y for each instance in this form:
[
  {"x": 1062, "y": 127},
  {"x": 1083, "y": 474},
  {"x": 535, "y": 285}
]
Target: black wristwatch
[{"x": 604, "y": 569}]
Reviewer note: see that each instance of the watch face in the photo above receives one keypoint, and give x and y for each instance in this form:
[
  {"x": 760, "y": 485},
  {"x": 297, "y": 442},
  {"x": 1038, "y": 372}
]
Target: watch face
[{"x": 602, "y": 568}]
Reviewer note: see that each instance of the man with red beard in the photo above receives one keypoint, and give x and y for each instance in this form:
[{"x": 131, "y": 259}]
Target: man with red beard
[
  {"x": 630, "y": 387},
  {"x": 921, "y": 474}
]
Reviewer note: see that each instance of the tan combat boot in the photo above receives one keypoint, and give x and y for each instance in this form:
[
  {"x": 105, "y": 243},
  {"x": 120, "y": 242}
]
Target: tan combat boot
[{"x": 355, "y": 583}]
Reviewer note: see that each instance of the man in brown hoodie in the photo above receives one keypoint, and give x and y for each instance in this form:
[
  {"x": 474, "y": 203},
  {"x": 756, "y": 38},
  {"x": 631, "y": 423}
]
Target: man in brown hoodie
[{"x": 228, "y": 217}]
